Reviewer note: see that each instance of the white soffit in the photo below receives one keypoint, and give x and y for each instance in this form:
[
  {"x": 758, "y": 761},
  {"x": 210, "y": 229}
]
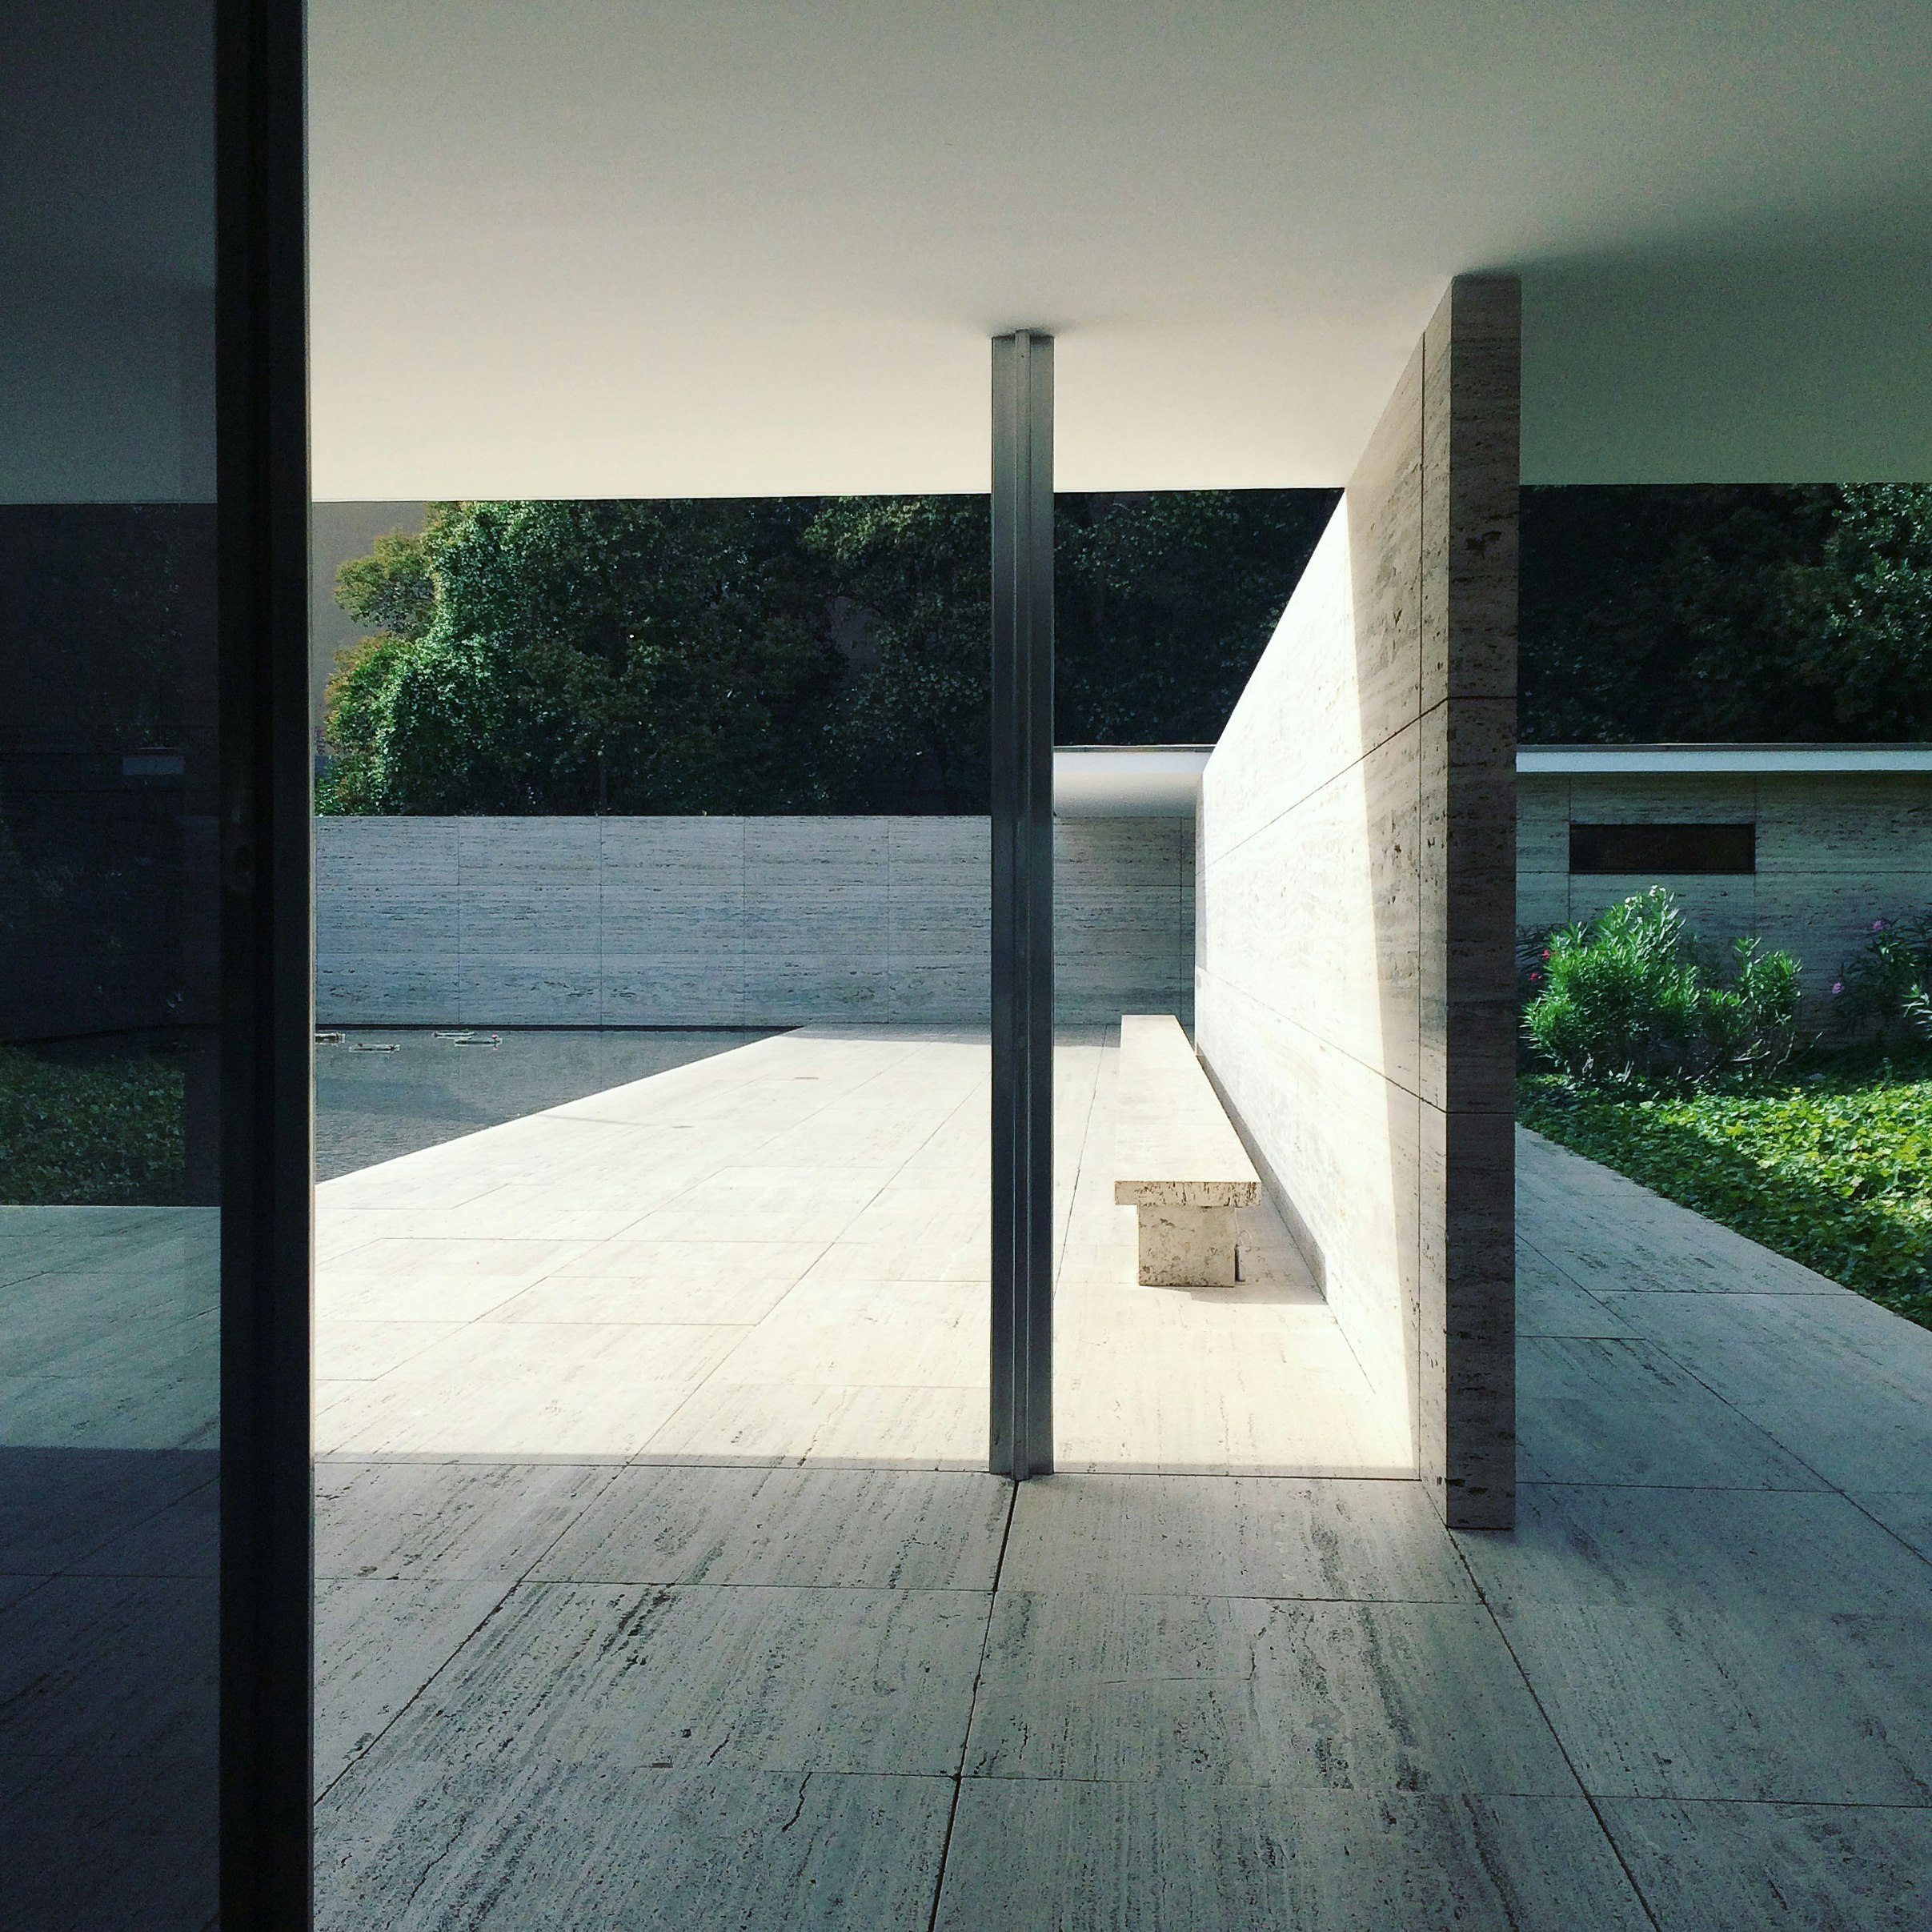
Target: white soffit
[
  {"x": 1635, "y": 760},
  {"x": 1128, "y": 781},
  {"x": 736, "y": 247}
]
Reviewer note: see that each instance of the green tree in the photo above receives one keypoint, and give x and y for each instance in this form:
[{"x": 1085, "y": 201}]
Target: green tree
[
  {"x": 1740, "y": 613},
  {"x": 587, "y": 656},
  {"x": 777, "y": 656},
  {"x": 914, "y": 574},
  {"x": 1164, "y": 601},
  {"x": 393, "y": 590}
]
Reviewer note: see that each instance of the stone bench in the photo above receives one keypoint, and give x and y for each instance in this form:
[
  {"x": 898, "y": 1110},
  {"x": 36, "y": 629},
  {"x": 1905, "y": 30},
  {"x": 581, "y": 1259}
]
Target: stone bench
[{"x": 1177, "y": 1161}]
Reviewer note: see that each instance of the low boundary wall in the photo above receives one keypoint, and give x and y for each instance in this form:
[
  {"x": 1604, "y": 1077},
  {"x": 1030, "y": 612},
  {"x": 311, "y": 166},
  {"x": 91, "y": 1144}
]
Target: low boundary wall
[{"x": 728, "y": 921}]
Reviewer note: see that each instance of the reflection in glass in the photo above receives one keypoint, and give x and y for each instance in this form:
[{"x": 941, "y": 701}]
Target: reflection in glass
[{"x": 108, "y": 1071}]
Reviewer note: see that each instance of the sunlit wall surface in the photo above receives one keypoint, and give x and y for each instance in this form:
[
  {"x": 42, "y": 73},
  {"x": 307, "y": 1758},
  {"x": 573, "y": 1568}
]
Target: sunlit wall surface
[{"x": 108, "y": 1073}]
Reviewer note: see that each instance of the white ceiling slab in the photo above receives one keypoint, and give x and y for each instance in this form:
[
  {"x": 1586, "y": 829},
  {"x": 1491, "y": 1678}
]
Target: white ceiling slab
[{"x": 712, "y": 246}]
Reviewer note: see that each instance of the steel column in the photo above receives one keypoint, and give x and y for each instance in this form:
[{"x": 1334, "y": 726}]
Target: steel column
[
  {"x": 267, "y": 969},
  {"x": 1022, "y": 1382}
]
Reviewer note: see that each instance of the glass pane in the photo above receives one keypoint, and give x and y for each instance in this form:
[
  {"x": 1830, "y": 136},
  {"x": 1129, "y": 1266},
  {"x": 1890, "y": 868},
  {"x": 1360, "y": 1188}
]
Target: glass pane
[
  {"x": 1183, "y": 1312},
  {"x": 108, "y": 1070},
  {"x": 1631, "y": 850},
  {"x": 652, "y": 1210}
]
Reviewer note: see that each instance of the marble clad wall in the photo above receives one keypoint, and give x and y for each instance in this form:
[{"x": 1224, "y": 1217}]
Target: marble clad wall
[
  {"x": 728, "y": 921},
  {"x": 1835, "y": 850},
  {"x": 1356, "y": 880}
]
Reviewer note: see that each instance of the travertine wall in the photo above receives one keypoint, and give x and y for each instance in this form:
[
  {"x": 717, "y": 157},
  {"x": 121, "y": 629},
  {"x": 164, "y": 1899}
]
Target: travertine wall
[
  {"x": 1835, "y": 850},
  {"x": 728, "y": 921},
  {"x": 1353, "y": 983}
]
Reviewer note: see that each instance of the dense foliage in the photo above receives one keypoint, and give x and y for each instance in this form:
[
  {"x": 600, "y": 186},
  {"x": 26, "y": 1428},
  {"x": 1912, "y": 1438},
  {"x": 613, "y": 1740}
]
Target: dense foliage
[
  {"x": 803, "y": 656},
  {"x": 1683, "y": 1075},
  {"x": 1631, "y": 995},
  {"x": 1883, "y": 993},
  {"x": 776, "y": 655},
  {"x": 1831, "y": 1170},
  {"x": 1743, "y": 613},
  {"x": 582, "y": 656},
  {"x": 105, "y": 1133}
]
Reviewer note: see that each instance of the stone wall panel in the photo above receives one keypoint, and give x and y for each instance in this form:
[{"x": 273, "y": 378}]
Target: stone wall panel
[
  {"x": 728, "y": 921},
  {"x": 1357, "y": 896}
]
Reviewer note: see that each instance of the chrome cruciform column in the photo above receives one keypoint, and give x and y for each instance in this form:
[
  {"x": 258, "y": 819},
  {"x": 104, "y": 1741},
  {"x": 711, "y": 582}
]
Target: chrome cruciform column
[{"x": 1022, "y": 1382}]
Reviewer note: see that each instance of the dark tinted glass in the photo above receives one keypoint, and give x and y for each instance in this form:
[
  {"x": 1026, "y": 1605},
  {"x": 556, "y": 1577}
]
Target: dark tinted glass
[
  {"x": 1663, "y": 848},
  {"x": 109, "y": 1093}
]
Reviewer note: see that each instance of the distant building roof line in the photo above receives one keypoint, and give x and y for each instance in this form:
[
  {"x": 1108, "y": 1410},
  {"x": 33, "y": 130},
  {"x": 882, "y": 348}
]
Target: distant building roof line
[{"x": 1663, "y": 758}]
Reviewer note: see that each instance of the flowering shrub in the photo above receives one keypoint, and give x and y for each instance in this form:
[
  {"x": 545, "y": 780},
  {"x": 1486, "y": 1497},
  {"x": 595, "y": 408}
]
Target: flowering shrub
[
  {"x": 1630, "y": 996},
  {"x": 1883, "y": 992}
]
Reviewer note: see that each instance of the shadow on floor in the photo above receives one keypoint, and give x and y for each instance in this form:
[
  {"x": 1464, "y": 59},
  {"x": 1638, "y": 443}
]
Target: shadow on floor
[{"x": 1692, "y": 1692}]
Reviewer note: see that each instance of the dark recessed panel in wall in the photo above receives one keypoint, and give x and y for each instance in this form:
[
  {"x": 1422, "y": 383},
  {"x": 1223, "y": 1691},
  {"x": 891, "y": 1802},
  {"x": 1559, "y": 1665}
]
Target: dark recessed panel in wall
[{"x": 1625, "y": 849}]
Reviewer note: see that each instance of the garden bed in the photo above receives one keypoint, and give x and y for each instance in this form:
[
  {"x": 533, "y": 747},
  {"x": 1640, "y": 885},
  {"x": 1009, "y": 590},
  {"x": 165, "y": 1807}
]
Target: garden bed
[
  {"x": 103, "y": 1132},
  {"x": 1833, "y": 1169}
]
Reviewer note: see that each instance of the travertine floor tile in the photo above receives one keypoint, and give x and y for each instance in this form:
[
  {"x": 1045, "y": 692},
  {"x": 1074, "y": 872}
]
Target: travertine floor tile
[
  {"x": 1770, "y": 1550},
  {"x": 180, "y": 1411},
  {"x": 1777, "y": 1868},
  {"x": 765, "y": 1263},
  {"x": 1592, "y": 1411},
  {"x": 700, "y": 1294},
  {"x": 1231, "y": 1536},
  {"x": 62, "y": 1506},
  {"x": 696, "y": 1677},
  {"x": 574, "y": 1410},
  {"x": 1549, "y": 1303},
  {"x": 377, "y": 1644},
  {"x": 125, "y": 1665},
  {"x": 1906, "y": 1513},
  {"x": 449, "y": 1520},
  {"x": 349, "y": 1351},
  {"x": 887, "y": 1428},
  {"x": 1383, "y": 1697},
  {"x": 1028, "y": 1857},
  {"x": 1608, "y": 1234},
  {"x": 1843, "y": 1385},
  {"x": 1655, "y": 1700},
  {"x": 886, "y": 1346},
  {"x": 554, "y": 1847},
  {"x": 492, "y": 1352},
  {"x": 855, "y": 1529}
]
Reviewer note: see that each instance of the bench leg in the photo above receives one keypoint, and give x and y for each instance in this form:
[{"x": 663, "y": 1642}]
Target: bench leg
[{"x": 1186, "y": 1246}]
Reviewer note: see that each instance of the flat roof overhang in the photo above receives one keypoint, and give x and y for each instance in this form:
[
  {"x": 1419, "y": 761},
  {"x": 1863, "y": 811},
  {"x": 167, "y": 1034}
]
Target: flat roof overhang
[
  {"x": 712, "y": 248},
  {"x": 1164, "y": 780},
  {"x": 722, "y": 248},
  {"x": 1674, "y": 760},
  {"x": 1117, "y": 781}
]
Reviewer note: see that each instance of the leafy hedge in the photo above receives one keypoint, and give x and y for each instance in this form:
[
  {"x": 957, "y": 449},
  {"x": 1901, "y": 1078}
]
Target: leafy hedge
[
  {"x": 1632, "y": 994},
  {"x": 104, "y": 1134},
  {"x": 1835, "y": 1170}
]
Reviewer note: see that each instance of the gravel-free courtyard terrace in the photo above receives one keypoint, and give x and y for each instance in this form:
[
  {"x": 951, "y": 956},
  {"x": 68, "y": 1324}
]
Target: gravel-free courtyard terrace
[{"x": 660, "y": 1582}]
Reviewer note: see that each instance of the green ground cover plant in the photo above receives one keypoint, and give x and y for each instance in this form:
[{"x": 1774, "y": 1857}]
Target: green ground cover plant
[
  {"x": 100, "y": 1133},
  {"x": 1702, "y": 1078},
  {"x": 1832, "y": 1169}
]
